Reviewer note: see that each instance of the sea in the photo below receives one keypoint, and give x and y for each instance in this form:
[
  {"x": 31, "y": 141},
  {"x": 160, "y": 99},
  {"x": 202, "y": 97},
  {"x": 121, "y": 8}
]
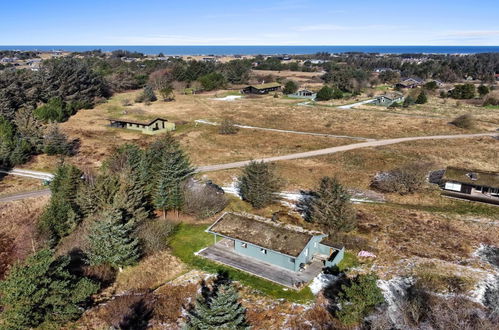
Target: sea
[{"x": 267, "y": 50}]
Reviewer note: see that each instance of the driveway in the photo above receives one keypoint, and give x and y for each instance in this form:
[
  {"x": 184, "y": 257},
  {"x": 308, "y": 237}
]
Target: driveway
[
  {"x": 24, "y": 195},
  {"x": 349, "y": 106}
]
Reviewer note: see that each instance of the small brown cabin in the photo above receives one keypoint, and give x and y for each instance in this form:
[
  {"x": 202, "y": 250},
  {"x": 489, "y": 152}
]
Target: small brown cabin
[
  {"x": 262, "y": 89},
  {"x": 482, "y": 186}
]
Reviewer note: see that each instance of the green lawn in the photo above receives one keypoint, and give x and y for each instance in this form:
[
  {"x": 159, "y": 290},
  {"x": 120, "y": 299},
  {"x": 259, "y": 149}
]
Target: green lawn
[{"x": 189, "y": 239}]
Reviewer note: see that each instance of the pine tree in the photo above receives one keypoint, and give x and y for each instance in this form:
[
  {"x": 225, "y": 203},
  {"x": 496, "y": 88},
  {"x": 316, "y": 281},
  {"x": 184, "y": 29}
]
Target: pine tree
[
  {"x": 331, "y": 206},
  {"x": 218, "y": 308},
  {"x": 42, "y": 290},
  {"x": 111, "y": 242},
  {"x": 422, "y": 98},
  {"x": 131, "y": 198},
  {"x": 259, "y": 184},
  {"x": 62, "y": 214}
]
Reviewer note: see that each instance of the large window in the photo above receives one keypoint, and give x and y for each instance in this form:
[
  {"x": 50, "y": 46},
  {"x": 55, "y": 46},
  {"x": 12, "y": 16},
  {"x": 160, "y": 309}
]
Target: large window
[
  {"x": 263, "y": 251},
  {"x": 244, "y": 245},
  {"x": 453, "y": 186}
]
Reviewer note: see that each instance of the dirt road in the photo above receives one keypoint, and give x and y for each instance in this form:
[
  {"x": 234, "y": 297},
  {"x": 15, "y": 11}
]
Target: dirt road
[
  {"x": 332, "y": 150},
  {"x": 202, "y": 121},
  {"x": 25, "y": 195}
]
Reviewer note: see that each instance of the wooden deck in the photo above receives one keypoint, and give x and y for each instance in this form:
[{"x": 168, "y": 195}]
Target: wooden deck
[{"x": 223, "y": 254}]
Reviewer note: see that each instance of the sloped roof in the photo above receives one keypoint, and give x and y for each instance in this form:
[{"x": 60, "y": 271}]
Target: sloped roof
[
  {"x": 473, "y": 177},
  {"x": 391, "y": 96},
  {"x": 264, "y": 86},
  {"x": 268, "y": 234},
  {"x": 137, "y": 122}
]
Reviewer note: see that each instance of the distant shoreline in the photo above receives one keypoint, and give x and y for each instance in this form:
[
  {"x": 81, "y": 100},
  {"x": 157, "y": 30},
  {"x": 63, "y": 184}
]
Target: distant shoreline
[{"x": 262, "y": 50}]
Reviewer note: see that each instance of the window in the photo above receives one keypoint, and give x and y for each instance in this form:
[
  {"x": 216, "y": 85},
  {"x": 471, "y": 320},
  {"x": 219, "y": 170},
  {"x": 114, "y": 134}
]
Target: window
[
  {"x": 263, "y": 251},
  {"x": 292, "y": 260},
  {"x": 315, "y": 245},
  {"x": 244, "y": 245},
  {"x": 453, "y": 186}
]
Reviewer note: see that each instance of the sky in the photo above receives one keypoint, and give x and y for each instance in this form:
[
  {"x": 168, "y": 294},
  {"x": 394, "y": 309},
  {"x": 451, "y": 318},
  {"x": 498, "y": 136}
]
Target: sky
[{"x": 255, "y": 22}]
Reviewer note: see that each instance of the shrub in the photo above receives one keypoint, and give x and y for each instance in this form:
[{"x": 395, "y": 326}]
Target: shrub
[
  {"x": 404, "y": 180},
  {"x": 491, "y": 101},
  {"x": 154, "y": 235},
  {"x": 483, "y": 90},
  {"x": 358, "y": 299},
  {"x": 227, "y": 127},
  {"x": 168, "y": 307},
  {"x": 56, "y": 143},
  {"x": 147, "y": 95},
  {"x": 422, "y": 98},
  {"x": 465, "y": 121},
  {"x": 128, "y": 311},
  {"x": 54, "y": 110},
  {"x": 259, "y": 184},
  {"x": 325, "y": 94},
  {"x": 203, "y": 200},
  {"x": 212, "y": 81},
  {"x": 408, "y": 101},
  {"x": 465, "y": 91},
  {"x": 290, "y": 87}
]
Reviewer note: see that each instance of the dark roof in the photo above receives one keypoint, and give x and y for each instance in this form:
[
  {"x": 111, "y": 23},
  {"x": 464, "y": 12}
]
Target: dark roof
[
  {"x": 391, "y": 96},
  {"x": 137, "y": 122},
  {"x": 265, "y": 86},
  {"x": 286, "y": 239},
  {"x": 473, "y": 177}
]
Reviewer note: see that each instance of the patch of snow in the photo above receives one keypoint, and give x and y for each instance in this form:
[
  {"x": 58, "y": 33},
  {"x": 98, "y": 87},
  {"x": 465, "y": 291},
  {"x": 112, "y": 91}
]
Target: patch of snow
[
  {"x": 322, "y": 281},
  {"x": 228, "y": 98},
  {"x": 394, "y": 290}
]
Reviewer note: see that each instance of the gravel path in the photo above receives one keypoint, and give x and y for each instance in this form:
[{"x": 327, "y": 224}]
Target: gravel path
[
  {"x": 333, "y": 150},
  {"x": 202, "y": 121}
]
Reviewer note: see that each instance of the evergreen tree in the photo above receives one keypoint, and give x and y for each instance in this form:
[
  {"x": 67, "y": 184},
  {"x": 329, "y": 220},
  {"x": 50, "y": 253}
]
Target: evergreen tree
[
  {"x": 217, "y": 308},
  {"x": 331, "y": 206},
  {"x": 55, "y": 142},
  {"x": 483, "y": 90},
  {"x": 259, "y": 184},
  {"x": 422, "y": 98},
  {"x": 326, "y": 93},
  {"x": 42, "y": 290},
  {"x": 62, "y": 213},
  {"x": 290, "y": 87},
  {"x": 358, "y": 299},
  {"x": 131, "y": 198},
  {"x": 111, "y": 242}
]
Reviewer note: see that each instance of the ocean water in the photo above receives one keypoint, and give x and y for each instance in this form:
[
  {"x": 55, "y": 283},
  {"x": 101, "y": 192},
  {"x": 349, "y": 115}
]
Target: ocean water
[{"x": 268, "y": 50}]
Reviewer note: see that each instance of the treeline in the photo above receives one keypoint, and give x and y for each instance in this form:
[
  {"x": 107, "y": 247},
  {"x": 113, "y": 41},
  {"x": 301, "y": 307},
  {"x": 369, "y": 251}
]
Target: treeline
[
  {"x": 95, "y": 224},
  {"x": 22, "y": 55},
  {"x": 276, "y": 64}
]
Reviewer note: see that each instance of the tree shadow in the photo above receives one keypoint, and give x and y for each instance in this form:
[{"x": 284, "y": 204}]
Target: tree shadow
[{"x": 139, "y": 315}]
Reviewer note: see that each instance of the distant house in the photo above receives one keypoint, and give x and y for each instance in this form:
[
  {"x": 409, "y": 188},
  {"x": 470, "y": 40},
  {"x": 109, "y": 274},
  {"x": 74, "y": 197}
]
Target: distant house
[
  {"x": 281, "y": 245},
  {"x": 410, "y": 83},
  {"x": 497, "y": 76},
  {"x": 209, "y": 59},
  {"x": 317, "y": 61},
  {"x": 388, "y": 99},
  {"x": 303, "y": 94},
  {"x": 152, "y": 127},
  {"x": 482, "y": 186},
  {"x": 262, "y": 89}
]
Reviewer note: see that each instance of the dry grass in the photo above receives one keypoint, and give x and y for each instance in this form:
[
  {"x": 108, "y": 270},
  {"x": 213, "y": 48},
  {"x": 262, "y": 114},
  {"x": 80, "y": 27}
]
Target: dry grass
[
  {"x": 18, "y": 220},
  {"x": 12, "y": 184},
  {"x": 149, "y": 273}
]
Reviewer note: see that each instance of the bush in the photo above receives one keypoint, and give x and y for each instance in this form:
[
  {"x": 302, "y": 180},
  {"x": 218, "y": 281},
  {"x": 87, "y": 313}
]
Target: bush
[
  {"x": 491, "y": 101},
  {"x": 358, "y": 299},
  {"x": 129, "y": 311},
  {"x": 227, "y": 127},
  {"x": 212, "y": 81},
  {"x": 404, "y": 180},
  {"x": 409, "y": 100},
  {"x": 168, "y": 307},
  {"x": 465, "y": 121},
  {"x": 290, "y": 87},
  {"x": 203, "y": 200},
  {"x": 466, "y": 91},
  {"x": 325, "y": 94},
  {"x": 56, "y": 143},
  {"x": 154, "y": 235},
  {"x": 483, "y": 90},
  {"x": 259, "y": 184},
  {"x": 422, "y": 98},
  {"x": 55, "y": 110},
  {"x": 147, "y": 95}
]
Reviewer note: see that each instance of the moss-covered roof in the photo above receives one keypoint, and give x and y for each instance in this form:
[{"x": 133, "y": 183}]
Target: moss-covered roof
[
  {"x": 473, "y": 177},
  {"x": 286, "y": 239},
  {"x": 145, "y": 123},
  {"x": 264, "y": 86}
]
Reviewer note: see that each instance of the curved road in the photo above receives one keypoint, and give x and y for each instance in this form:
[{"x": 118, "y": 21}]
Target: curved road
[
  {"x": 320, "y": 152},
  {"x": 332, "y": 150}
]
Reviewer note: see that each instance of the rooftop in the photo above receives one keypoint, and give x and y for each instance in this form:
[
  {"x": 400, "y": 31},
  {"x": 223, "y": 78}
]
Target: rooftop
[
  {"x": 146, "y": 123},
  {"x": 268, "y": 85},
  {"x": 474, "y": 177},
  {"x": 286, "y": 239}
]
